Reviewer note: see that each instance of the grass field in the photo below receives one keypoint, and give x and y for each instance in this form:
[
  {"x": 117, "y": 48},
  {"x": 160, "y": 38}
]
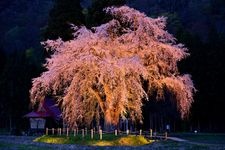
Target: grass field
[{"x": 108, "y": 140}]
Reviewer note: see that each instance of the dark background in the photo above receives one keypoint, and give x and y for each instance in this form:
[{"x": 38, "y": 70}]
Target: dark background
[{"x": 200, "y": 25}]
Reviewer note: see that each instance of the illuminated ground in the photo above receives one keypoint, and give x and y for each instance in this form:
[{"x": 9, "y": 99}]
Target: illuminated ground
[
  {"x": 200, "y": 141},
  {"x": 107, "y": 140}
]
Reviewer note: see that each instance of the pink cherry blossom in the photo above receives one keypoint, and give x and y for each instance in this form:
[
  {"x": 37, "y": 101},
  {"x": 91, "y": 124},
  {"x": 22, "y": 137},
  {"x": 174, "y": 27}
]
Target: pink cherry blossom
[{"x": 100, "y": 72}]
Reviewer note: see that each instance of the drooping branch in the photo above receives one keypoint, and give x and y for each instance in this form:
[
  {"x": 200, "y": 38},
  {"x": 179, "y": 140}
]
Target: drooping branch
[
  {"x": 98, "y": 97},
  {"x": 115, "y": 57}
]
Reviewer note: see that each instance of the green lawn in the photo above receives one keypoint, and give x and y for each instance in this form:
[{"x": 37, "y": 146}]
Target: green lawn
[{"x": 107, "y": 140}]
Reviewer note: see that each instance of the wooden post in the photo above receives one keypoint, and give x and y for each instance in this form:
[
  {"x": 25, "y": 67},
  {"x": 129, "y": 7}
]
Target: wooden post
[
  {"x": 92, "y": 134},
  {"x": 166, "y": 135},
  {"x": 100, "y": 133},
  {"x": 127, "y": 132},
  {"x": 74, "y": 132},
  {"x": 67, "y": 131},
  {"x": 116, "y": 133},
  {"x": 82, "y": 133},
  {"x": 46, "y": 132},
  {"x": 60, "y": 131},
  {"x": 85, "y": 131},
  {"x": 150, "y": 133},
  {"x": 53, "y": 131},
  {"x": 140, "y": 132}
]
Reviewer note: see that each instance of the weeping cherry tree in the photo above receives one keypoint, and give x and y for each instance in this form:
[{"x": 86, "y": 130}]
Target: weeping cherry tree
[{"x": 100, "y": 73}]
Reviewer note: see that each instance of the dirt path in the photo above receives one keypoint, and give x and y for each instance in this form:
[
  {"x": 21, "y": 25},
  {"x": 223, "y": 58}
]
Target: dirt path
[{"x": 177, "y": 139}]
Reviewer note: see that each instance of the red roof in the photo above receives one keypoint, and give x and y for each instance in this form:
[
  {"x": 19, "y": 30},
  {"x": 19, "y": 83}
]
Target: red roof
[
  {"x": 37, "y": 115},
  {"x": 47, "y": 109}
]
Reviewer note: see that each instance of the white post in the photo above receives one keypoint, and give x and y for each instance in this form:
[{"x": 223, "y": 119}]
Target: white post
[
  {"x": 115, "y": 132},
  {"x": 140, "y": 132},
  {"x": 127, "y": 132},
  {"x": 46, "y": 132},
  {"x": 150, "y": 133},
  {"x": 74, "y": 132},
  {"x": 53, "y": 131},
  {"x": 82, "y": 133},
  {"x": 92, "y": 134},
  {"x": 100, "y": 132},
  {"x": 67, "y": 132}
]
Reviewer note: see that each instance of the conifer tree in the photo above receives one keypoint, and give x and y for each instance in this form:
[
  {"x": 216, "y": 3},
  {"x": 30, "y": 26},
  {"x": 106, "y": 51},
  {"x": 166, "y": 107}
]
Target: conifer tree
[
  {"x": 96, "y": 15},
  {"x": 64, "y": 13}
]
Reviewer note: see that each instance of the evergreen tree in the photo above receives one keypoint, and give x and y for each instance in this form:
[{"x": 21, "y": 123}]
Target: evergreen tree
[
  {"x": 16, "y": 75},
  {"x": 96, "y": 15},
  {"x": 62, "y": 15}
]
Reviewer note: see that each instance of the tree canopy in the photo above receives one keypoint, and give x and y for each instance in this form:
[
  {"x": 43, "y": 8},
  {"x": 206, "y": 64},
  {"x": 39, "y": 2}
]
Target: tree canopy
[{"x": 100, "y": 73}]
